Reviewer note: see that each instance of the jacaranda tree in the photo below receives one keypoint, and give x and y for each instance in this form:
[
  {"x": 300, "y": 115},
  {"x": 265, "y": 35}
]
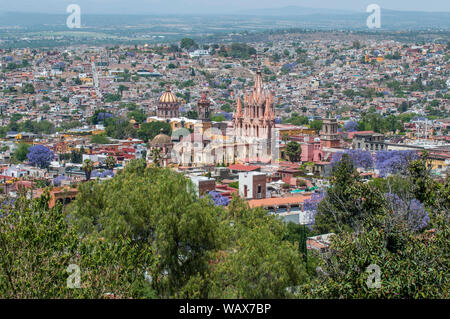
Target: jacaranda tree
[
  {"x": 360, "y": 158},
  {"x": 40, "y": 155},
  {"x": 391, "y": 162},
  {"x": 411, "y": 213},
  {"x": 351, "y": 126},
  {"x": 218, "y": 199}
]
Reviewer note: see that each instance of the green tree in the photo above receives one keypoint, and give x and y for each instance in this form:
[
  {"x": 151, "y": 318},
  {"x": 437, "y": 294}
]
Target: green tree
[
  {"x": 155, "y": 155},
  {"x": 118, "y": 128},
  {"x": 188, "y": 44},
  {"x": 180, "y": 228},
  {"x": 218, "y": 118},
  {"x": 100, "y": 139},
  {"x": 316, "y": 125},
  {"x": 192, "y": 115},
  {"x": 424, "y": 188},
  {"x": 110, "y": 162},
  {"x": 200, "y": 250},
  {"x": 412, "y": 265},
  {"x": 88, "y": 167},
  {"x": 293, "y": 151},
  {"x": 138, "y": 115},
  {"x": 20, "y": 154},
  {"x": 37, "y": 246},
  {"x": 147, "y": 131},
  {"x": 76, "y": 157},
  {"x": 348, "y": 200},
  {"x": 258, "y": 262},
  {"x": 297, "y": 120},
  {"x": 108, "y": 98},
  {"x": 122, "y": 88},
  {"x": 28, "y": 88}
]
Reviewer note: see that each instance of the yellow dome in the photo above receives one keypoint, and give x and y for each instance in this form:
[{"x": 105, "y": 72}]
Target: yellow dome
[
  {"x": 168, "y": 97},
  {"x": 161, "y": 139}
]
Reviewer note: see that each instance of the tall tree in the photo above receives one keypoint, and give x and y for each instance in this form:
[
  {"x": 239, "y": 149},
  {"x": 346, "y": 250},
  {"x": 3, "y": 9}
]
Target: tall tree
[
  {"x": 88, "y": 167},
  {"x": 180, "y": 228},
  {"x": 293, "y": 151},
  {"x": 155, "y": 155},
  {"x": 37, "y": 246},
  {"x": 110, "y": 162},
  {"x": 20, "y": 154},
  {"x": 202, "y": 250},
  {"x": 347, "y": 201},
  {"x": 40, "y": 155}
]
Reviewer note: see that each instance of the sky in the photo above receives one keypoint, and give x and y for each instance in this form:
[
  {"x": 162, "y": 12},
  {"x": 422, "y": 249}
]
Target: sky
[{"x": 211, "y": 6}]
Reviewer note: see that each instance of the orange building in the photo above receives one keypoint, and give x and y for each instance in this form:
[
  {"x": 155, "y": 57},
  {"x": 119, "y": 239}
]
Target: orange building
[{"x": 64, "y": 195}]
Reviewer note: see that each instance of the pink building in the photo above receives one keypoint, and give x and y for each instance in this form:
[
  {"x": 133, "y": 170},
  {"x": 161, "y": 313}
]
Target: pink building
[
  {"x": 311, "y": 148},
  {"x": 312, "y": 151}
]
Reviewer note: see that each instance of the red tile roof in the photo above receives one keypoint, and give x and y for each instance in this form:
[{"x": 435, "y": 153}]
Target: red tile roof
[
  {"x": 276, "y": 201},
  {"x": 244, "y": 168},
  {"x": 352, "y": 134}
]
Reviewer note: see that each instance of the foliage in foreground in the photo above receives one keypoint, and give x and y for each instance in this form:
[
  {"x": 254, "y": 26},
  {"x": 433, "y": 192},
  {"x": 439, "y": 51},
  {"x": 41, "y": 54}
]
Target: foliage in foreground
[
  {"x": 37, "y": 247},
  {"x": 400, "y": 224},
  {"x": 146, "y": 234}
]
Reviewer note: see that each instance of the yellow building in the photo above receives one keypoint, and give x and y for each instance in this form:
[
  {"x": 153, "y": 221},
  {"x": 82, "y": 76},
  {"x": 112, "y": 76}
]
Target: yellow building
[
  {"x": 438, "y": 161},
  {"x": 87, "y": 80},
  {"x": 175, "y": 123},
  {"x": 295, "y": 130}
]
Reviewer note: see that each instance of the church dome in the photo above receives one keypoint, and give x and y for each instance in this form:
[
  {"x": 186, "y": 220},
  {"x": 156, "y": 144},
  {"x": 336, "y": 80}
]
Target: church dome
[
  {"x": 168, "y": 97},
  {"x": 161, "y": 139}
]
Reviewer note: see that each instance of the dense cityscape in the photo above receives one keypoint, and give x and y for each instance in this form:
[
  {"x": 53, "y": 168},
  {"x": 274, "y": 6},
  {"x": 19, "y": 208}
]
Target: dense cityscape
[{"x": 299, "y": 164}]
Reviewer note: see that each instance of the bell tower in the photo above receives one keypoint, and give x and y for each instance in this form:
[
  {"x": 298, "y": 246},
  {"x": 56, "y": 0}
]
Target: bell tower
[
  {"x": 329, "y": 133},
  {"x": 204, "y": 107}
]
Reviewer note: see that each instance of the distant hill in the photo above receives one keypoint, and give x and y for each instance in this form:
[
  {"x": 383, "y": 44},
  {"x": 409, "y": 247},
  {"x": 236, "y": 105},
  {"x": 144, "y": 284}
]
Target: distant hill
[
  {"x": 293, "y": 11},
  {"x": 265, "y": 18}
]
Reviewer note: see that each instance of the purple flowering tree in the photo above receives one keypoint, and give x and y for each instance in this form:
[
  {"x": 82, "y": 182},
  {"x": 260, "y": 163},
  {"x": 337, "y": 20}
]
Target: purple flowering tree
[
  {"x": 40, "y": 156},
  {"x": 57, "y": 181},
  {"x": 310, "y": 205},
  {"x": 102, "y": 173},
  {"x": 360, "y": 158},
  {"x": 392, "y": 162},
  {"x": 351, "y": 126},
  {"x": 218, "y": 199},
  {"x": 412, "y": 212},
  {"x": 103, "y": 116}
]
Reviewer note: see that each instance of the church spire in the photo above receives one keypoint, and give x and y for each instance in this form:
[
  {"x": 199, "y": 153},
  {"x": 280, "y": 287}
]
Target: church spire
[
  {"x": 258, "y": 80},
  {"x": 268, "y": 111},
  {"x": 239, "y": 108}
]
